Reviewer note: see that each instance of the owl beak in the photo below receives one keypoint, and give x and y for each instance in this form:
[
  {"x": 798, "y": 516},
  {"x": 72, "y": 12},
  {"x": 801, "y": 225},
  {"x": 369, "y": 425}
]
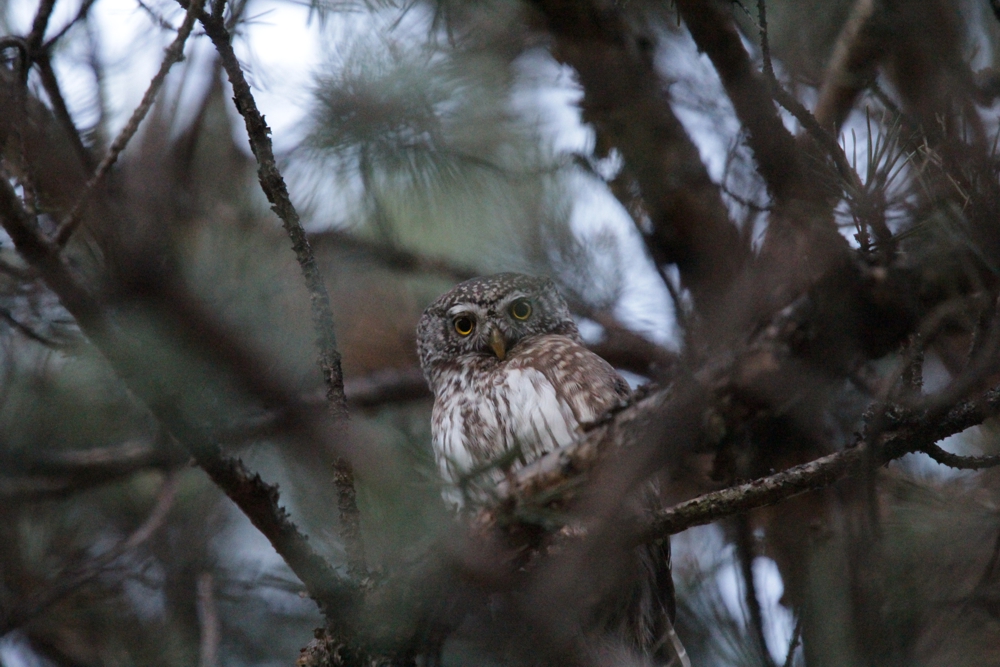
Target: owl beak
[{"x": 498, "y": 344}]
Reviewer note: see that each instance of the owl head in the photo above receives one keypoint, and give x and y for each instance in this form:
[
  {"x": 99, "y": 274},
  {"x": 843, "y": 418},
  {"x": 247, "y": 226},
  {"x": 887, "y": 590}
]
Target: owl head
[{"x": 485, "y": 318}]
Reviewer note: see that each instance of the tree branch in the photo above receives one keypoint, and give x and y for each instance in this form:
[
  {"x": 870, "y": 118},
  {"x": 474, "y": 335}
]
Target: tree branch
[
  {"x": 908, "y": 434},
  {"x": 961, "y": 462},
  {"x": 258, "y": 500},
  {"x": 851, "y": 69},
  {"x": 59, "y": 108},
  {"x": 61, "y": 473},
  {"x": 39, "y": 25},
  {"x": 773, "y": 146},
  {"x": 273, "y": 185},
  {"x": 624, "y": 99}
]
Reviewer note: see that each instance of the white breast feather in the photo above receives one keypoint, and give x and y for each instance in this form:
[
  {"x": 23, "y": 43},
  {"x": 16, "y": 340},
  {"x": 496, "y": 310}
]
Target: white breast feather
[
  {"x": 542, "y": 421},
  {"x": 537, "y": 419}
]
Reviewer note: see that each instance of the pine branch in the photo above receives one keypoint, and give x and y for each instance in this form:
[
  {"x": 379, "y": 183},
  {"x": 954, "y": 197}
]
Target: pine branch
[{"x": 779, "y": 161}]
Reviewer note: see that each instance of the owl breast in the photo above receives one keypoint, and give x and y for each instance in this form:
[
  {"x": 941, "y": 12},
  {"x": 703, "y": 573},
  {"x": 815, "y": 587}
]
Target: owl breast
[{"x": 516, "y": 410}]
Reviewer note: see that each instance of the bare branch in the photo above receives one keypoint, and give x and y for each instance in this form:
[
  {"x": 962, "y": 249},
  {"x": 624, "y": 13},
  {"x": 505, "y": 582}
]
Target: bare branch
[
  {"x": 625, "y": 102},
  {"x": 39, "y": 25},
  {"x": 274, "y": 187},
  {"x": 773, "y": 146},
  {"x": 57, "y": 474},
  {"x": 811, "y": 124},
  {"x": 59, "y": 108},
  {"x": 907, "y": 433},
  {"x": 961, "y": 462},
  {"x": 172, "y": 55}
]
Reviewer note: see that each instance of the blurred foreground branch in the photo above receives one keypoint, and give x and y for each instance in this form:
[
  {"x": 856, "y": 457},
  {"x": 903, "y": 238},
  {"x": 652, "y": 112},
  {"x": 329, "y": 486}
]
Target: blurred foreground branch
[
  {"x": 625, "y": 101},
  {"x": 258, "y": 500}
]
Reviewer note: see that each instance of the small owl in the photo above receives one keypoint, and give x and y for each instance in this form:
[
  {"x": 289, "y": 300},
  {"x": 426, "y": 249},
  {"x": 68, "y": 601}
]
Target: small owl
[
  {"x": 510, "y": 375},
  {"x": 512, "y": 380}
]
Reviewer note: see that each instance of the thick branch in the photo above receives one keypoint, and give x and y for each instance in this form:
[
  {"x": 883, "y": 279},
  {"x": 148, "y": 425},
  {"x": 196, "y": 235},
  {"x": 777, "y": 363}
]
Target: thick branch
[
  {"x": 624, "y": 100},
  {"x": 773, "y": 145}
]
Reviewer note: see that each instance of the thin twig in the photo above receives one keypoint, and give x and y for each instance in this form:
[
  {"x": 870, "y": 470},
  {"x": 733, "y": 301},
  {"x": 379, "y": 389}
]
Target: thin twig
[
  {"x": 208, "y": 621},
  {"x": 773, "y": 147},
  {"x": 801, "y": 114},
  {"x": 172, "y": 55},
  {"x": 794, "y": 643},
  {"x": 81, "y": 14},
  {"x": 273, "y": 185},
  {"x": 765, "y": 45}
]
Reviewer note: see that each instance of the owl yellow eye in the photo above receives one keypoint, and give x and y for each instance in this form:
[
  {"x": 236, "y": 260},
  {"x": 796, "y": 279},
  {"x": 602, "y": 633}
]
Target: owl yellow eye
[
  {"x": 521, "y": 309},
  {"x": 464, "y": 325}
]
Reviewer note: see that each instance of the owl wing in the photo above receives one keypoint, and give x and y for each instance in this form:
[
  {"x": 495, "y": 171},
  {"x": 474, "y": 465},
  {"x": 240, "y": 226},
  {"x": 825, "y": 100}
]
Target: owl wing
[{"x": 554, "y": 385}]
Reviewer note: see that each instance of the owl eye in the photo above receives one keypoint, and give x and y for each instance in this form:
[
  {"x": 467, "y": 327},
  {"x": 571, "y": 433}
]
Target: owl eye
[
  {"x": 464, "y": 325},
  {"x": 521, "y": 309}
]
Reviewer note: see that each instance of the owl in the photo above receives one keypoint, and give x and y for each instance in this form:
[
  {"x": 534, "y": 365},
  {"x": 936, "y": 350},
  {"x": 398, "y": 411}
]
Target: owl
[
  {"x": 512, "y": 380},
  {"x": 511, "y": 377}
]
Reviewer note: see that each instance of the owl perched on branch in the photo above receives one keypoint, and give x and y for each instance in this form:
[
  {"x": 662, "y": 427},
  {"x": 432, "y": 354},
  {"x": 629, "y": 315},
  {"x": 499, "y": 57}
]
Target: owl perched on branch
[
  {"x": 512, "y": 380},
  {"x": 509, "y": 373}
]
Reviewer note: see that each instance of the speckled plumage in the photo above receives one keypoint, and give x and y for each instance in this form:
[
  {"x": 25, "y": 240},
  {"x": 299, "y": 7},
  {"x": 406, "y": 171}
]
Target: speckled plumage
[
  {"x": 534, "y": 399},
  {"x": 510, "y": 390}
]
